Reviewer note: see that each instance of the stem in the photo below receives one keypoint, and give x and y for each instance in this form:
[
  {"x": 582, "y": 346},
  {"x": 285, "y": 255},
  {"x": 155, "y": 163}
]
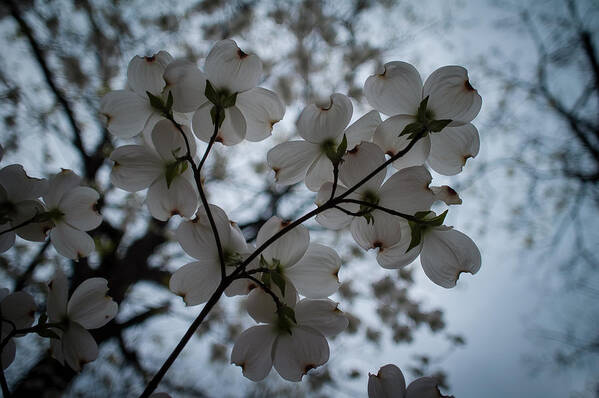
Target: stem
[
  {"x": 375, "y": 206},
  {"x": 335, "y": 180},
  {"x": 198, "y": 180},
  {"x": 263, "y": 287},
  {"x": 26, "y": 222},
  {"x": 186, "y": 337},
  {"x": 212, "y": 139}
]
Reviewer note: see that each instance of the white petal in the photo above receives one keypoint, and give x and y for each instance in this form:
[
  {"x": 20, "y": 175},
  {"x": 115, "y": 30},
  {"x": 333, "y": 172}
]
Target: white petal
[
  {"x": 19, "y": 186},
  {"x": 452, "y": 147},
  {"x": 169, "y": 142},
  {"x": 296, "y": 354},
  {"x": 60, "y": 184},
  {"x": 289, "y": 248},
  {"x": 261, "y": 109},
  {"x": 291, "y": 160},
  {"x": 8, "y": 353},
  {"x": 450, "y": 94},
  {"x": 135, "y": 167},
  {"x": 389, "y": 382},
  {"x": 78, "y": 206},
  {"x": 316, "y": 274},
  {"x": 387, "y": 138},
  {"x": 196, "y": 282},
  {"x": 71, "y": 242},
  {"x": 145, "y": 73},
  {"x": 359, "y": 163},
  {"x": 322, "y": 315},
  {"x": 78, "y": 346},
  {"x": 362, "y": 129},
  {"x": 253, "y": 351},
  {"x": 381, "y": 233},
  {"x": 231, "y": 132},
  {"x": 58, "y": 293},
  {"x": 447, "y": 253},
  {"x": 334, "y": 218},
  {"x": 446, "y": 194},
  {"x": 126, "y": 113},
  {"x": 35, "y": 232},
  {"x": 187, "y": 83},
  {"x": 397, "y": 90},
  {"x": 320, "y": 123},
  {"x": 89, "y": 305},
  {"x": 19, "y": 308},
  {"x": 424, "y": 387},
  {"x": 407, "y": 191},
  {"x": 164, "y": 202},
  {"x": 261, "y": 306},
  {"x": 396, "y": 257},
  {"x": 196, "y": 236},
  {"x": 320, "y": 172},
  {"x": 228, "y": 67},
  {"x": 56, "y": 348},
  {"x": 7, "y": 239}
]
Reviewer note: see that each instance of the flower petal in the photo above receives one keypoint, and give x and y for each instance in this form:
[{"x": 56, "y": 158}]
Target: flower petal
[
  {"x": 447, "y": 194},
  {"x": 322, "y": 315},
  {"x": 359, "y": 163},
  {"x": 60, "y": 184},
  {"x": 89, "y": 305},
  {"x": 407, "y": 191},
  {"x": 316, "y": 274},
  {"x": 187, "y": 84},
  {"x": 7, "y": 239},
  {"x": 320, "y": 123},
  {"x": 58, "y": 294},
  {"x": 261, "y": 109},
  {"x": 135, "y": 167},
  {"x": 71, "y": 242},
  {"x": 231, "y": 132},
  {"x": 387, "y": 138},
  {"x": 389, "y": 382},
  {"x": 395, "y": 256},
  {"x": 164, "y": 202},
  {"x": 78, "y": 346},
  {"x": 291, "y": 160},
  {"x": 334, "y": 218},
  {"x": 450, "y": 94},
  {"x": 35, "y": 231},
  {"x": 424, "y": 387},
  {"x": 196, "y": 236},
  {"x": 8, "y": 353},
  {"x": 289, "y": 248},
  {"x": 362, "y": 129},
  {"x": 78, "y": 206},
  {"x": 298, "y": 353},
  {"x": 381, "y": 233},
  {"x": 196, "y": 282},
  {"x": 145, "y": 73},
  {"x": 18, "y": 186},
  {"x": 447, "y": 253},
  {"x": 227, "y": 67},
  {"x": 169, "y": 143},
  {"x": 320, "y": 172},
  {"x": 452, "y": 147},
  {"x": 126, "y": 112},
  {"x": 253, "y": 351},
  {"x": 261, "y": 306},
  {"x": 19, "y": 308},
  {"x": 397, "y": 90}
]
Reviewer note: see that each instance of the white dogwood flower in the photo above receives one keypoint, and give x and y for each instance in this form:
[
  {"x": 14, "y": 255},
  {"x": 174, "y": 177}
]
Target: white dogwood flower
[
  {"x": 17, "y": 310},
  {"x": 129, "y": 112},
  {"x": 168, "y": 177},
  {"x": 88, "y": 308},
  {"x": 293, "y": 348},
  {"x": 389, "y": 382},
  {"x": 322, "y": 128},
  {"x": 72, "y": 210},
  {"x": 450, "y": 99}
]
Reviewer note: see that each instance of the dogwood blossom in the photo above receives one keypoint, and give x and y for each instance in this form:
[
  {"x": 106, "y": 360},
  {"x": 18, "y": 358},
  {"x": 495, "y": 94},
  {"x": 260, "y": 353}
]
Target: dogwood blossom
[
  {"x": 322, "y": 128},
  {"x": 88, "y": 308},
  {"x": 196, "y": 281},
  {"x": 72, "y": 210},
  {"x": 293, "y": 348},
  {"x": 389, "y": 382},
  {"x": 19, "y": 203},
  {"x": 17, "y": 310},
  {"x": 162, "y": 170},
  {"x": 232, "y": 74},
  {"x": 129, "y": 112},
  {"x": 450, "y": 104}
]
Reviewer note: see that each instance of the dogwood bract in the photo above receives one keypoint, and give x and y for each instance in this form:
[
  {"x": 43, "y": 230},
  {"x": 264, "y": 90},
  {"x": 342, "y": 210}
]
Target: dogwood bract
[
  {"x": 88, "y": 308},
  {"x": 389, "y": 382},
  {"x": 17, "y": 310}
]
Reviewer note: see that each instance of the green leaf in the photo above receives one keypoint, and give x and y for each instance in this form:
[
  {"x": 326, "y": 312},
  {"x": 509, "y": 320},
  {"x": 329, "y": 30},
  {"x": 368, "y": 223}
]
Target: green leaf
[
  {"x": 266, "y": 279},
  {"x": 416, "y": 231},
  {"x": 342, "y": 148},
  {"x": 219, "y": 113},
  {"x": 155, "y": 101},
  {"x": 48, "y": 333},
  {"x": 169, "y": 102},
  {"x": 412, "y": 129},
  {"x": 210, "y": 93},
  {"x": 288, "y": 313},
  {"x": 279, "y": 280},
  {"x": 438, "y": 220},
  {"x": 229, "y": 101},
  {"x": 421, "y": 115},
  {"x": 263, "y": 263},
  {"x": 437, "y": 125}
]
